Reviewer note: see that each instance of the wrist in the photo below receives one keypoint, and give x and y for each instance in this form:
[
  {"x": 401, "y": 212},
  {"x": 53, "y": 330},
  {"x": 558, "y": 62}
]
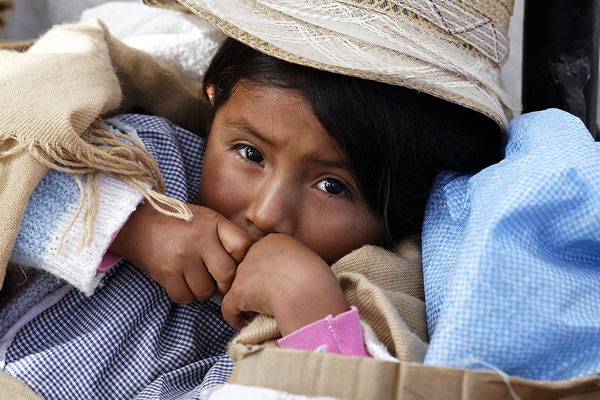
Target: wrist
[
  {"x": 127, "y": 241},
  {"x": 294, "y": 314}
]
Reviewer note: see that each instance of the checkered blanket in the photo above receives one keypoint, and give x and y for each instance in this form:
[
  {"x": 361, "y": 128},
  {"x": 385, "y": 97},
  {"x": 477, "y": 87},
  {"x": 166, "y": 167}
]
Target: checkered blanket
[{"x": 128, "y": 340}]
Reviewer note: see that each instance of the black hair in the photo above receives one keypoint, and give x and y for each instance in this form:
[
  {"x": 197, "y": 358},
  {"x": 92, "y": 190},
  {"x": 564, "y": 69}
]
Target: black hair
[{"x": 396, "y": 139}]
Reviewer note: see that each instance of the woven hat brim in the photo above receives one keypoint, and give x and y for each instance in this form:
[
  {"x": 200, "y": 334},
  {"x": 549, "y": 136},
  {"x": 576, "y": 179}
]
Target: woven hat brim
[{"x": 475, "y": 88}]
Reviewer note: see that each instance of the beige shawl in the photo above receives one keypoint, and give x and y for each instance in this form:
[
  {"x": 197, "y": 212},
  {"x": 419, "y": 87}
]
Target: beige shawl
[{"x": 52, "y": 96}]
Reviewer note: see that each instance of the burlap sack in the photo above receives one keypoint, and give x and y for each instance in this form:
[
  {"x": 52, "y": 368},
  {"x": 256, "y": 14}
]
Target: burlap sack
[
  {"x": 386, "y": 288},
  {"x": 14, "y": 389}
]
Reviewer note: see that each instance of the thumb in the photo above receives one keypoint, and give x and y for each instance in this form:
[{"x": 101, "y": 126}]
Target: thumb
[
  {"x": 234, "y": 239},
  {"x": 232, "y": 313}
]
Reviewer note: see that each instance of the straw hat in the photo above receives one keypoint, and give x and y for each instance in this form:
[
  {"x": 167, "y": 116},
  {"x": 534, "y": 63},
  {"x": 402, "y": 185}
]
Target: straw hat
[{"x": 452, "y": 49}]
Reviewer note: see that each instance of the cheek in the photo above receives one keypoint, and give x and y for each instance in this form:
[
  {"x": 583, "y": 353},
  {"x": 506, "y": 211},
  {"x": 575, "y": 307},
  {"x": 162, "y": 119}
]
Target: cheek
[
  {"x": 333, "y": 232},
  {"x": 221, "y": 187}
]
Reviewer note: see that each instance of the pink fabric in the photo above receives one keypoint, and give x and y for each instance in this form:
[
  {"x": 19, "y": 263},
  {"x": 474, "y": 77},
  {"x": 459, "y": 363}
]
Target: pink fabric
[
  {"x": 341, "y": 334},
  {"x": 110, "y": 259}
]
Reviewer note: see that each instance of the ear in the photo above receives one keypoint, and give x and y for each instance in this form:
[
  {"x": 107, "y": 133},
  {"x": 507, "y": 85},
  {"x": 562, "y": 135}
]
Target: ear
[{"x": 210, "y": 92}]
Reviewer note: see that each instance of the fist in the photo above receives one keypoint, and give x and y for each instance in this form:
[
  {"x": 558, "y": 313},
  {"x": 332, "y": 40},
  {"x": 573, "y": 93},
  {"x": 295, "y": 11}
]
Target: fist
[
  {"x": 191, "y": 260},
  {"x": 285, "y": 279}
]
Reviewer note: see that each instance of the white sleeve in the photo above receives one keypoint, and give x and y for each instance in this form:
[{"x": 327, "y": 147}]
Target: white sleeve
[{"x": 52, "y": 208}]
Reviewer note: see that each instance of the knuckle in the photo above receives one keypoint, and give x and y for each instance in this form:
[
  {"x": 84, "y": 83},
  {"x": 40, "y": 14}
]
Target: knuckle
[
  {"x": 205, "y": 291},
  {"x": 244, "y": 239},
  {"x": 245, "y": 243},
  {"x": 229, "y": 274},
  {"x": 210, "y": 215},
  {"x": 179, "y": 252},
  {"x": 180, "y": 298},
  {"x": 235, "y": 293},
  {"x": 206, "y": 294},
  {"x": 169, "y": 273}
]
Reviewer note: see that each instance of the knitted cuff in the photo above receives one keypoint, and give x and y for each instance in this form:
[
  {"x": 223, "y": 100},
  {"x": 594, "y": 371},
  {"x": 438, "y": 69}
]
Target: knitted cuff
[
  {"x": 79, "y": 266},
  {"x": 341, "y": 334}
]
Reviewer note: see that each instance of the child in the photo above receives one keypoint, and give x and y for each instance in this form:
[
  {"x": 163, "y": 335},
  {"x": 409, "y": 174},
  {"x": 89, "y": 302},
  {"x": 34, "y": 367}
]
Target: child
[
  {"x": 279, "y": 171},
  {"x": 292, "y": 180},
  {"x": 301, "y": 167}
]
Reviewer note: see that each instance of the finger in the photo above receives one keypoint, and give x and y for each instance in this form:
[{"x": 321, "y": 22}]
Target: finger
[
  {"x": 231, "y": 312},
  {"x": 234, "y": 239},
  {"x": 221, "y": 266},
  {"x": 178, "y": 290},
  {"x": 200, "y": 282}
]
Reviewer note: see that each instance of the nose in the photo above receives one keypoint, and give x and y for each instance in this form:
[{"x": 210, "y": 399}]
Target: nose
[{"x": 272, "y": 207}]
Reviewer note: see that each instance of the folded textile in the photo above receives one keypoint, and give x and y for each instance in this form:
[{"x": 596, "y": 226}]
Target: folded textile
[
  {"x": 511, "y": 256},
  {"x": 53, "y": 94},
  {"x": 181, "y": 40}
]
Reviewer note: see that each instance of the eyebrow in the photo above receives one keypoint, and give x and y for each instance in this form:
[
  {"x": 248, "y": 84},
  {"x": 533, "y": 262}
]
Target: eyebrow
[
  {"x": 244, "y": 126},
  {"x": 331, "y": 163}
]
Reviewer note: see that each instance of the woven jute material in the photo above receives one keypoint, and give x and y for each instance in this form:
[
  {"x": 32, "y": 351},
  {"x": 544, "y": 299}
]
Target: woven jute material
[
  {"x": 452, "y": 49},
  {"x": 386, "y": 287},
  {"x": 53, "y": 94},
  {"x": 13, "y": 389}
]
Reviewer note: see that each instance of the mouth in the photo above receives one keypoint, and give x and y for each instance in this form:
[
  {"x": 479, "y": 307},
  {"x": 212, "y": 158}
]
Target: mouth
[
  {"x": 254, "y": 233},
  {"x": 256, "y": 237}
]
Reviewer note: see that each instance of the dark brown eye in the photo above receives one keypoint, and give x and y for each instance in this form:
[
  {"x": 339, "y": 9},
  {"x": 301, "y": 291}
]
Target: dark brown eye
[
  {"x": 332, "y": 186},
  {"x": 250, "y": 153},
  {"x": 253, "y": 155}
]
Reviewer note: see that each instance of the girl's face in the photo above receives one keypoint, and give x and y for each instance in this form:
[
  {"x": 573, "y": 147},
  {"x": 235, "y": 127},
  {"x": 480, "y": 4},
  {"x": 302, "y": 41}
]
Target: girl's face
[{"x": 271, "y": 167}]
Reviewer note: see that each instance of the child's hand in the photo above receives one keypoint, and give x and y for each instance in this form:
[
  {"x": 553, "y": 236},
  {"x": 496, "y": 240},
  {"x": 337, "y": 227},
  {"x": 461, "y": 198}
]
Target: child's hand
[
  {"x": 186, "y": 258},
  {"x": 281, "y": 277}
]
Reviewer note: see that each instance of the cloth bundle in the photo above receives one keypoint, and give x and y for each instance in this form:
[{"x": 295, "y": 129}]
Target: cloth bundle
[
  {"x": 53, "y": 94},
  {"x": 181, "y": 40},
  {"x": 511, "y": 256},
  {"x": 387, "y": 288}
]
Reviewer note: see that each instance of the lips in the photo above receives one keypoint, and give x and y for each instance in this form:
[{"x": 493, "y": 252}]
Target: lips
[{"x": 251, "y": 229}]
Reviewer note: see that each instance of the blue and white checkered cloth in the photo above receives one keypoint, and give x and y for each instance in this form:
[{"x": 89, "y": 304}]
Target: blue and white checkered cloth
[
  {"x": 511, "y": 256},
  {"x": 129, "y": 340}
]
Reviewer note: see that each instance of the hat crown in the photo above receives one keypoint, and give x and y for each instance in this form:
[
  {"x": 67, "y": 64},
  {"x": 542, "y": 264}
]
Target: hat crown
[
  {"x": 482, "y": 24},
  {"x": 452, "y": 49}
]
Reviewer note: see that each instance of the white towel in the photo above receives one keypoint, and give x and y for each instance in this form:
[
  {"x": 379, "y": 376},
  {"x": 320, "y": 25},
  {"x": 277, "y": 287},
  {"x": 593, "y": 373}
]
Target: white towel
[{"x": 182, "y": 40}]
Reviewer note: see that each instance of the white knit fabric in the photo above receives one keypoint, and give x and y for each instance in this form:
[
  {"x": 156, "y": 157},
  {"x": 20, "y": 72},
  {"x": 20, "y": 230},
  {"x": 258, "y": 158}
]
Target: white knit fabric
[
  {"x": 117, "y": 201},
  {"x": 179, "y": 39},
  {"x": 374, "y": 346}
]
